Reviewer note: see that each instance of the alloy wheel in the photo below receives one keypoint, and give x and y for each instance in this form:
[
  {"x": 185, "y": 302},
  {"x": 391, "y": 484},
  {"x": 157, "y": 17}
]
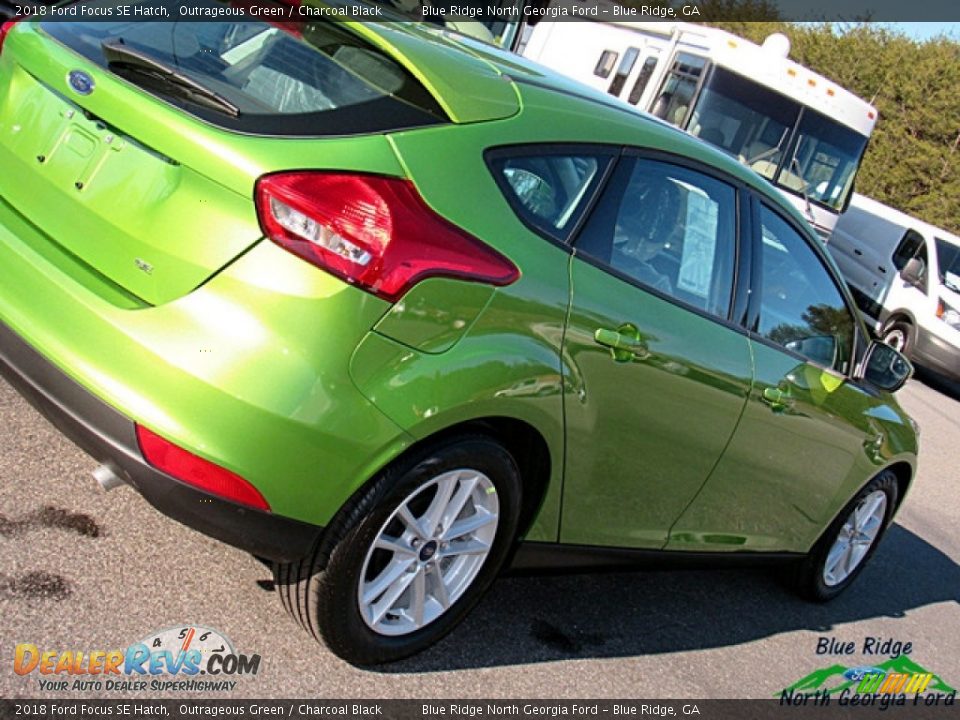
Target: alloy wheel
[
  {"x": 428, "y": 552},
  {"x": 855, "y": 538}
]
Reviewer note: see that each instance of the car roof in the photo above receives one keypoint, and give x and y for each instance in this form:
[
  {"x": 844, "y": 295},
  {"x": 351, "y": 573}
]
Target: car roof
[{"x": 476, "y": 81}]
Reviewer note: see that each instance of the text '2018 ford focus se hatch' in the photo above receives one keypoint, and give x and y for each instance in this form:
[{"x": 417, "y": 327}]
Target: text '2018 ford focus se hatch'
[{"x": 383, "y": 305}]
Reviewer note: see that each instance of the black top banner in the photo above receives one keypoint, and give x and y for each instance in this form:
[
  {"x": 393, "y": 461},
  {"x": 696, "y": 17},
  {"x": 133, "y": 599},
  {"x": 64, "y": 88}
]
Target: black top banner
[{"x": 518, "y": 11}]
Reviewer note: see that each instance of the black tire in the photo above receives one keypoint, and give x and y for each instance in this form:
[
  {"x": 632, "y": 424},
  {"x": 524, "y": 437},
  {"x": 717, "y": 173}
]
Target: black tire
[
  {"x": 810, "y": 581},
  {"x": 321, "y": 591},
  {"x": 899, "y": 335}
]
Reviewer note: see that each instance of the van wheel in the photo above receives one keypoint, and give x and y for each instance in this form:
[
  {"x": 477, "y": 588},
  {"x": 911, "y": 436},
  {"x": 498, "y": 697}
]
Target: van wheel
[
  {"x": 899, "y": 335},
  {"x": 849, "y": 542},
  {"x": 411, "y": 556}
]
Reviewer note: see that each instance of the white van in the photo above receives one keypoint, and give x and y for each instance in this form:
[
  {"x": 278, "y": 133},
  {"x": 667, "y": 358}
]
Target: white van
[{"x": 905, "y": 276}]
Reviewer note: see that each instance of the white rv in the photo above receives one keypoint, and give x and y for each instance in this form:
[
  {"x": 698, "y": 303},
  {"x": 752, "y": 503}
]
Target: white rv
[
  {"x": 802, "y": 132},
  {"x": 905, "y": 276}
]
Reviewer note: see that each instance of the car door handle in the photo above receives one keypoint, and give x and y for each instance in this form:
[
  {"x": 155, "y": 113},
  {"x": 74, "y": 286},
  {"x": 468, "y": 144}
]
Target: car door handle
[
  {"x": 777, "y": 398},
  {"x": 625, "y": 342}
]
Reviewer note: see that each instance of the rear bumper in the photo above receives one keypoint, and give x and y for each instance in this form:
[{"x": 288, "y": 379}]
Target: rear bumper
[{"x": 107, "y": 435}]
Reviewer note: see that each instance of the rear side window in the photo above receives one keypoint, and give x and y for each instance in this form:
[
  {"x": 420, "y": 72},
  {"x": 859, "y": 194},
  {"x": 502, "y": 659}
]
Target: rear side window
[
  {"x": 549, "y": 188},
  {"x": 668, "y": 228},
  {"x": 290, "y": 78}
]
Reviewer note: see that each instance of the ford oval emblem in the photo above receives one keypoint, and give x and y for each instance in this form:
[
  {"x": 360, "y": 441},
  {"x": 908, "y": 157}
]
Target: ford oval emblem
[
  {"x": 81, "y": 82},
  {"x": 857, "y": 673}
]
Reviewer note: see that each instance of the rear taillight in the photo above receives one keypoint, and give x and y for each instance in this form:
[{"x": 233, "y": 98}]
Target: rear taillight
[
  {"x": 5, "y": 29},
  {"x": 193, "y": 470},
  {"x": 374, "y": 232}
]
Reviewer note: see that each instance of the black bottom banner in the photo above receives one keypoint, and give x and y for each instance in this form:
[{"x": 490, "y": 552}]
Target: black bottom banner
[{"x": 812, "y": 705}]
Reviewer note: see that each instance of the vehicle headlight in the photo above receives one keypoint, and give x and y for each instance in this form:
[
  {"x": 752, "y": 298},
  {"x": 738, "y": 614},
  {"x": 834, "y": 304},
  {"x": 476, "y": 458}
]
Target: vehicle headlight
[{"x": 948, "y": 314}]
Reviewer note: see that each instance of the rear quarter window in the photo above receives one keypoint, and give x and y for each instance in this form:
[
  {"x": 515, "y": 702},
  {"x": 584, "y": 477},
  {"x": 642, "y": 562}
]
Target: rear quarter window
[
  {"x": 290, "y": 78},
  {"x": 549, "y": 188}
]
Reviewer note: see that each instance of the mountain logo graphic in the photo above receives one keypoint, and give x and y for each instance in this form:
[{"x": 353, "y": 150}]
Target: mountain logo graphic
[{"x": 899, "y": 674}]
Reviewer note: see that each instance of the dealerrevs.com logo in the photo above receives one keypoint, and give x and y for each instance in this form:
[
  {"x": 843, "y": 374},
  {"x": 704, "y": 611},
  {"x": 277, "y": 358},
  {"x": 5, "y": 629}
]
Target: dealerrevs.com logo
[{"x": 183, "y": 658}]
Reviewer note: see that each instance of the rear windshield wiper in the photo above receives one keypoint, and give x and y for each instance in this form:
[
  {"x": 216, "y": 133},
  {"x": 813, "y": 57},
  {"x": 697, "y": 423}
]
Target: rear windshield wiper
[{"x": 124, "y": 59}]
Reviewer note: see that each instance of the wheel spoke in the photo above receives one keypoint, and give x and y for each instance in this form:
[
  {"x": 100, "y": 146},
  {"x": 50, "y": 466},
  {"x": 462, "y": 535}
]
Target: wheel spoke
[
  {"x": 390, "y": 597},
  {"x": 439, "y": 589},
  {"x": 407, "y": 518},
  {"x": 468, "y": 547},
  {"x": 418, "y": 598},
  {"x": 480, "y": 519},
  {"x": 434, "y": 514},
  {"x": 867, "y": 509},
  {"x": 376, "y": 588},
  {"x": 834, "y": 558},
  {"x": 848, "y": 559},
  {"x": 394, "y": 545},
  {"x": 459, "y": 500},
  {"x": 870, "y": 530}
]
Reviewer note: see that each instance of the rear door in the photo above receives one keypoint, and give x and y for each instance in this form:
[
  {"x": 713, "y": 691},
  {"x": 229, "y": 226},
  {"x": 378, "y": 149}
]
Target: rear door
[{"x": 660, "y": 373}]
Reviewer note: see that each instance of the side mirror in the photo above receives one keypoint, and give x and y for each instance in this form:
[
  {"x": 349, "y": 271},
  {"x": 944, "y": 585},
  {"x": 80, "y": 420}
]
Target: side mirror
[
  {"x": 913, "y": 271},
  {"x": 885, "y": 368}
]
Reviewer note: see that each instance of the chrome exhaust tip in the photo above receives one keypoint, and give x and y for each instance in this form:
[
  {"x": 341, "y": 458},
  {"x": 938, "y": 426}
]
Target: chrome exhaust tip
[{"x": 108, "y": 476}]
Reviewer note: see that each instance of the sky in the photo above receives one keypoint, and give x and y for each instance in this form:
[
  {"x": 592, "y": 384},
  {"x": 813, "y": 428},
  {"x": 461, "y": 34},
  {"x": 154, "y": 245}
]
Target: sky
[{"x": 925, "y": 30}]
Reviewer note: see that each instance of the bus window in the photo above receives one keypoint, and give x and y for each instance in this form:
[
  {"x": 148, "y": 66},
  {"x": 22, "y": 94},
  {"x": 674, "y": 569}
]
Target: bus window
[
  {"x": 605, "y": 63},
  {"x": 823, "y": 160},
  {"x": 646, "y": 72},
  {"x": 678, "y": 89},
  {"x": 626, "y": 65},
  {"x": 746, "y": 119}
]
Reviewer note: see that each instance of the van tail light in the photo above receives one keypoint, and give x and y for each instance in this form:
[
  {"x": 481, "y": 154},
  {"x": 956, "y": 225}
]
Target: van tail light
[
  {"x": 374, "y": 232},
  {"x": 5, "y": 29},
  {"x": 193, "y": 470}
]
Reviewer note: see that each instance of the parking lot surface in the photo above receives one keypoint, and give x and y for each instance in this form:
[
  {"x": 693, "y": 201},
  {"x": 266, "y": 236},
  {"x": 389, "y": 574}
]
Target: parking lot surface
[{"x": 81, "y": 569}]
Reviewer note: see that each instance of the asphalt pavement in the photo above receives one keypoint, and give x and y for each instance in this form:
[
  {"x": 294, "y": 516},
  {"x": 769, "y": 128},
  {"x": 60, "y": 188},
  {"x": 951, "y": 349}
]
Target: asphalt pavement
[{"x": 81, "y": 569}]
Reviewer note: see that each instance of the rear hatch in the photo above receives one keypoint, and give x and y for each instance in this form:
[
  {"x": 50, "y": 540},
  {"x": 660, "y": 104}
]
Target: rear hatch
[{"x": 135, "y": 147}]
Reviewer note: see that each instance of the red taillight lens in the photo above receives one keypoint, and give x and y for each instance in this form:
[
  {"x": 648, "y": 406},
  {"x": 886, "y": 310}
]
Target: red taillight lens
[
  {"x": 196, "y": 471},
  {"x": 375, "y": 232},
  {"x": 5, "y": 29}
]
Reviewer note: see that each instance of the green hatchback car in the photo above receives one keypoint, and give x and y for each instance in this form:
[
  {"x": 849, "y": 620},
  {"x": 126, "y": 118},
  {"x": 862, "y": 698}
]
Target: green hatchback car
[{"x": 394, "y": 310}]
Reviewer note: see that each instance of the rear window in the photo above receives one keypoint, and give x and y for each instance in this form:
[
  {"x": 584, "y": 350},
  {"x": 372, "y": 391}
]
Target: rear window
[{"x": 290, "y": 78}]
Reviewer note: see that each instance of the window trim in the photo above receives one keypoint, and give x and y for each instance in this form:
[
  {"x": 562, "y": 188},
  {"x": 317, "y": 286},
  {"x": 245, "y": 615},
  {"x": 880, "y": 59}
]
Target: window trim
[
  {"x": 562, "y": 240},
  {"x": 742, "y": 244},
  {"x": 857, "y": 344}
]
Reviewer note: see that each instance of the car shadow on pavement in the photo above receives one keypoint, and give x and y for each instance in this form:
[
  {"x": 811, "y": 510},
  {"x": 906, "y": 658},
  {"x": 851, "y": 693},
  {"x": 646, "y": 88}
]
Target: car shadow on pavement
[{"x": 621, "y": 614}]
